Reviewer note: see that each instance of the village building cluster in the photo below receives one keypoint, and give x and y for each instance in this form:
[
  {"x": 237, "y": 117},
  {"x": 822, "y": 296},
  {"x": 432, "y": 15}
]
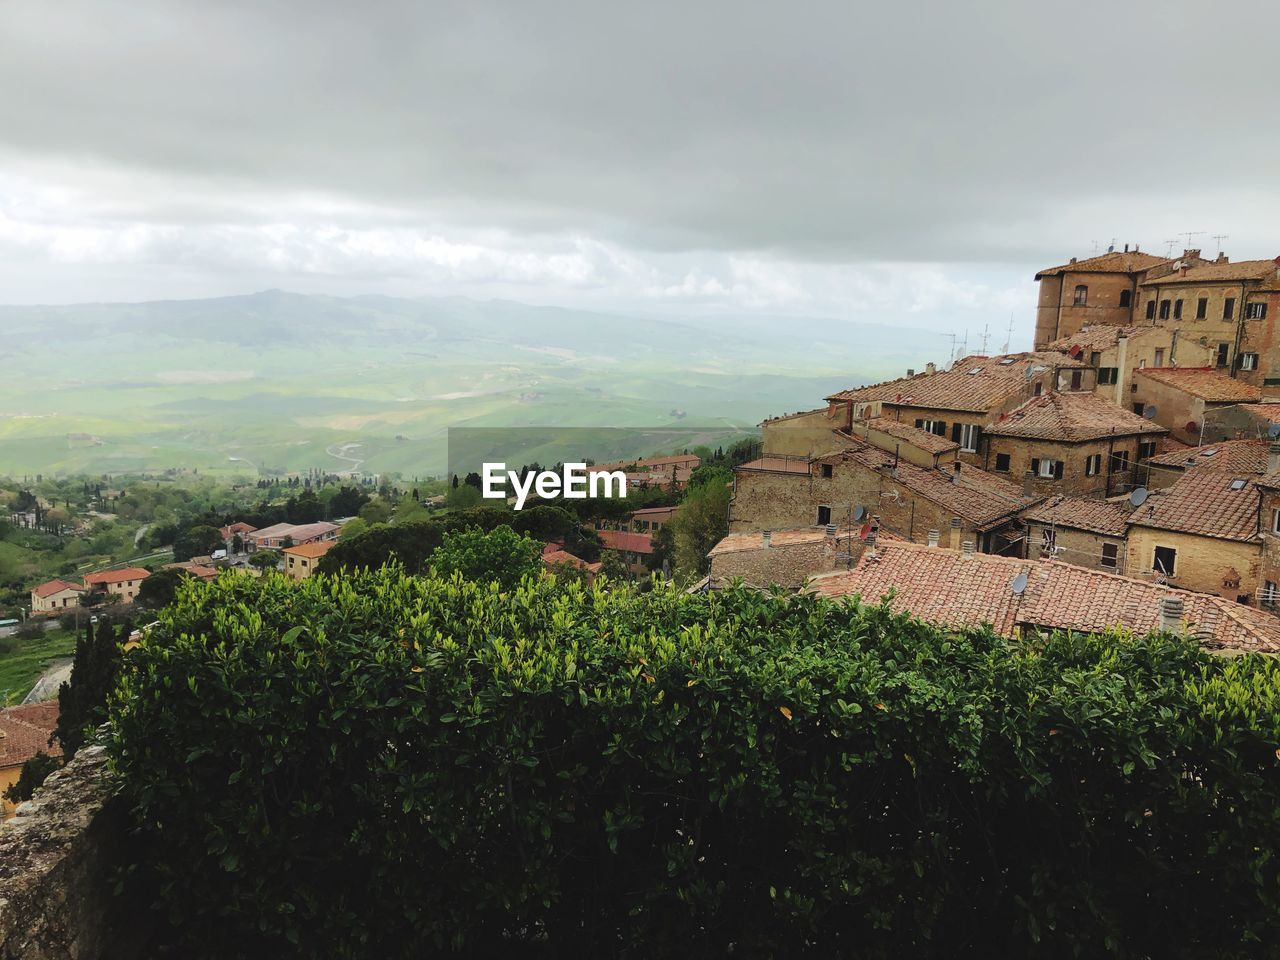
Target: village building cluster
[{"x": 1124, "y": 470}]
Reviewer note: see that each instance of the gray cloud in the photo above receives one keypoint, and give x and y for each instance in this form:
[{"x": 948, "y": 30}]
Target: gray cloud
[{"x": 994, "y": 137}]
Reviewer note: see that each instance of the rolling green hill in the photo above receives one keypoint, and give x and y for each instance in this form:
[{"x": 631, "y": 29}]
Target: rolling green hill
[{"x": 280, "y": 381}]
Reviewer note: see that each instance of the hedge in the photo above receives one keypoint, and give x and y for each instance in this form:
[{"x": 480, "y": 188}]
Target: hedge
[{"x": 395, "y": 766}]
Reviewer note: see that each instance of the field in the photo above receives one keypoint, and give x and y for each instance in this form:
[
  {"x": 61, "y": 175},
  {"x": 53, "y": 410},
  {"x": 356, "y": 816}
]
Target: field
[
  {"x": 23, "y": 660},
  {"x": 277, "y": 382}
]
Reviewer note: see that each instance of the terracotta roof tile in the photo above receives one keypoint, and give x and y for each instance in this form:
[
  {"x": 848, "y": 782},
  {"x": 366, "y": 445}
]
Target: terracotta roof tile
[
  {"x": 797, "y": 465},
  {"x": 1219, "y": 273},
  {"x": 1234, "y": 456},
  {"x": 54, "y": 586},
  {"x": 1269, "y": 411},
  {"x": 972, "y": 384},
  {"x": 1071, "y": 418},
  {"x": 943, "y": 587},
  {"x": 25, "y": 730},
  {"x": 909, "y": 433},
  {"x": 1115, "y": 262},
  {"x": 313, "y": 550},
  {"x": 1208, "y": 503},
  {"x": 625, "y": 540},
  {"x": 1107, "y": 517},
  {"x": 1203, "y": 382},
  {"x": 553, "y": 557},
  {"x": 116, "y": 576}
]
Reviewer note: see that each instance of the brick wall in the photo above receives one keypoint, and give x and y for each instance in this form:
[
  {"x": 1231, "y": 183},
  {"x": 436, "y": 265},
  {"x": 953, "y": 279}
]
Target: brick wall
[
  {"x": 787, "y": 565},
  {"x": 1080, "y": 547},
  {"x": 1201, "y": 561},
  {"x": 1075, "y": 482}
]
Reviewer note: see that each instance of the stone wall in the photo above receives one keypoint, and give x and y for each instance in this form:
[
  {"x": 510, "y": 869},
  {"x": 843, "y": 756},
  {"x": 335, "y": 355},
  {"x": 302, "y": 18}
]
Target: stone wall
[{"x": 58, "y": 860}]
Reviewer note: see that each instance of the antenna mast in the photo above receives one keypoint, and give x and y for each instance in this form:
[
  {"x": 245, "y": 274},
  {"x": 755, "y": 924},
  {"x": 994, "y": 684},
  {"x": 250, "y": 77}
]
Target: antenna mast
[
  {"x": 1219, "y": 237},
  {"x": 1008, "y": 337}
]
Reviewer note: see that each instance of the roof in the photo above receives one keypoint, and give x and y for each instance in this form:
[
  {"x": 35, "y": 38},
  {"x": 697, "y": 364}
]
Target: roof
[
  {"x": 298, "y": 531},
  {"x": 944, "y": 587},
  {"x": 195, "y": 569},
  {"x": 1203, "y": 382},
  {"x": 909, "y": 433},
  {"x": 1101, "y": 337},
  {"x": 1269, "y": 411},
  {"x": 777, "y": 465},
  {"x": 651, "y": 463},
  {"x": 653, "y": 511},
  {"x": 1219, "y": 273},
  {"x": 1107, "y": 517},
  {"x": 25, "y": 731},
  {"x": 754, "y": 540},
  {"x": 981, "y": 498},
  {"x": 1071, "y": 418},
  {"x": 1115, "y": 262},
  {"x": 972, "y": 384},
  {"x": 625, "y": 541},
  {"x": 1234, "y": 456},
  {"x": 553, "y": 557},
  {"x": 312, "y": 550},
  {"x": 54, "y": 586},
  {"x": 1202, "y": 502},
  {"x": 116, "y": 576},
  {"x": 231, "y": 529}
]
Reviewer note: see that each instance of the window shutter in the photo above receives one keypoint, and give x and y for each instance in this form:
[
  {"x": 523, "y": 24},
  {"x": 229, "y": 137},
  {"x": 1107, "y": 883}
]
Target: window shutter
[
  {"x": 1057, "y": 469},
  {"x": 1035, "y": 467},
  {"x": 977, "y": 436},
  {"x": 919, "y": 423},
  {"x": 955, "y": 432}
]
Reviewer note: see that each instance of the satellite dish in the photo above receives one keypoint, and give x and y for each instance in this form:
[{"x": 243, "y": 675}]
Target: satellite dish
[
  {"x": 1139, "y": 497},
  {"x": 1149, "y": 411},
  {"x": 859, "y": 513},
  {"x": 1273, "y": 431},
  {"x": 1019, "y": 584}
]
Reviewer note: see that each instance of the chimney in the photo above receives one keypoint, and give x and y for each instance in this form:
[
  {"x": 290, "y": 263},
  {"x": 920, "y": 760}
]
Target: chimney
[
  {"x": 1182, "y": 269},
  {"x": 1222, "y": 258},
  {"x": 910, "y": 372},
  {"x": 1073, "y": 259},
  {"x": 966, "y": 550},
  {"x": 1171, "y": 614},
  {"x": 955, "y": 533},
  {"x": 1126, "y": 248},
  {"x": 765, "y": 537},
  {"x": 1273, "y": 457},
  {"x": 1028, "y": 484},
  {"x": 955, "y": 472},
  {"x": 934, "y": 537},
  {"x": 930, "y": 367},
  {"x": 831, "y": 529}
]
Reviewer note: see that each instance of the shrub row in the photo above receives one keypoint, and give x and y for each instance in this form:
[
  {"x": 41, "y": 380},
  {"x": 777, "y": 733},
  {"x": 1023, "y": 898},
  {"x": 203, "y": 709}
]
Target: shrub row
[{"x": 393, "y": 766}]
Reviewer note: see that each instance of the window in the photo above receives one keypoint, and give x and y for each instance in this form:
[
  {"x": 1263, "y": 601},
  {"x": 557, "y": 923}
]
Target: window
[
  {"x": 1077, "y": 378},
  {"x": 1202, "y": 308},
  {"x": 1048, "y": 469},
  {"x": 1165, "y": 561},
  {"x": 1248, "y": 361},
  {"x": 938, "y": 427},
  {"x": 1108, "y": 375},
  {"x": 1238, "y": 484},
  {"x": 1275, "y": 522},
  {"x": 1093, "y": 465},
  {"x": 966, "y": 434},
  {"x": 1094, "y": 358},
  {"x": 827, "y": 471},
  {"x": 1119, "y": 461},
  {"x": 824, "y": 515},
  {"x": 1138, "y": 408},
  {"x": 1151, "y": 309},
  {"x": 1002, "y": 466},
  {"x": 1229, "y": 308},
  {"x": 1255, "y": 311},
  {"x": 1039, "y": 388},
  {"x": 1164, "y": 309},
  {"x": 1222, "y": 354},
  {"x": 1082, "y": 295},
  {"x": 1126, "y": 298},
  {"x": 1160, "y": 358},
  {"x": 1110, "y": 555},
  {"x": 1177, "y": 309},
  {"x": 1146, "y": 449},
  {"x": 1270, "y": 593}
]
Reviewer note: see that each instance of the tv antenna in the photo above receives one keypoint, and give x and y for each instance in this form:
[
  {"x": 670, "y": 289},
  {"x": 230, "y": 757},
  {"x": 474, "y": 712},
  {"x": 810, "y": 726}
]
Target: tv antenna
[
  {"x": 1190, "y": 235},
  {"x": 1095, "y": 247},
  {"x": 953, "y": 338},
  {"x": 1172, "y": 243},
  {"x": 985, "y": 335},
  {"x": 1008, "y": 337},
  {"x": 1219, "y": 237}
]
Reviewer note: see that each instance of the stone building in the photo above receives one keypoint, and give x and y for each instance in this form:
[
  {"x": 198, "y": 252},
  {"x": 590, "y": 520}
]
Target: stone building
[
  {"x": 786, "y": 558},
  {"x": 1237, "y": 457},
  {"x": 1093, "y": 292},
  {"x": 956, "y": 404},
  {"x": 1070, "y": 443},
  {"x": 1201, "y": 534},
  {"x": 1180, "y": 397},
  {"x": 848, "y": 486},
  {"x": 1087, "y": 533},
  {"x": 300, "y": 561},
  {"x": 1116, "y": 353},
  {"x": 1241, "y": 421},
  {"x": 120, "y": 583}
]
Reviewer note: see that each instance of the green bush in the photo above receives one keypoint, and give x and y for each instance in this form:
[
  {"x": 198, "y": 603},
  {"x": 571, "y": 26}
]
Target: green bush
[
  {"x": 499, "y": 556},
  {"x": 390, "y": 766}
]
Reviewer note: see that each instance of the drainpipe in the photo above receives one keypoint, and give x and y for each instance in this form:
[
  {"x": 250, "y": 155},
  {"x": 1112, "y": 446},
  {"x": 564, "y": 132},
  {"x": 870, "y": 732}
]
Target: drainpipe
[{"x": 1234, "y": 365}]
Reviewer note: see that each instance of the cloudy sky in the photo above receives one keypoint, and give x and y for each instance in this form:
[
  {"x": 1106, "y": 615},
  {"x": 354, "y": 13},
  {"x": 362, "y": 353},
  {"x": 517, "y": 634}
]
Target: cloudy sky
[{"x": 906, "y": 163}]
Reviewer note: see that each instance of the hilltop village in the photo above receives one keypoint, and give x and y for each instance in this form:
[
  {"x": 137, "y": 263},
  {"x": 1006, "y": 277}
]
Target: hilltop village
[{"x": 1124, "y": 473}]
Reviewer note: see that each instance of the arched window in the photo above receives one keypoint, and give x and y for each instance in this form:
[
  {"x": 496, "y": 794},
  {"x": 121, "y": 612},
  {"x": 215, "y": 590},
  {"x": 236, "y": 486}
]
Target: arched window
[
  {"x": 1082, "y": 295},
  {"x": 1126, "y": 298}
]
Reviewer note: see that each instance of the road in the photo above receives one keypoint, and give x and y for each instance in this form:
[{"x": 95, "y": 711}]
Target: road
[{"x": 10, "y": 631}]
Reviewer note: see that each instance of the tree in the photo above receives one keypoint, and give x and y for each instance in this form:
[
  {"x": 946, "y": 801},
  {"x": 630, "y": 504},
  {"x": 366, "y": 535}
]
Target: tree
[
  {"x": 353, "y": 528},
  {"x": 237, "y": 544},
  {"x": 159, "y": 589},
  {"x": 265, "y": 559},
  {"x": 347, "y": 502},
  {"x": 82, "y": 700},
  {"x": 33, "y": 774},
  {"x": 699, "y": 524},
  {"x": 197, "y": 541},
  {"x": 500, "y": 555},
  {"x": 613, "y": 566},
  {"x": 375, "y": 511}
]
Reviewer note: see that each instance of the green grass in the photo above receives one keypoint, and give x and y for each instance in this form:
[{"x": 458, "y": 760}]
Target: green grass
[{"x": 25, "y": 660}]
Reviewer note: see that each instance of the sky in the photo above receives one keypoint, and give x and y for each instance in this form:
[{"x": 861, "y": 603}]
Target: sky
[{"x": 902, "y": 163}]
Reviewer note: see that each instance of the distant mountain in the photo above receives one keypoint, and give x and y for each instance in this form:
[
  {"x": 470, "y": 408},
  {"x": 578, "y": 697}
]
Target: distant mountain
[{"x": 274, "y": 379}]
